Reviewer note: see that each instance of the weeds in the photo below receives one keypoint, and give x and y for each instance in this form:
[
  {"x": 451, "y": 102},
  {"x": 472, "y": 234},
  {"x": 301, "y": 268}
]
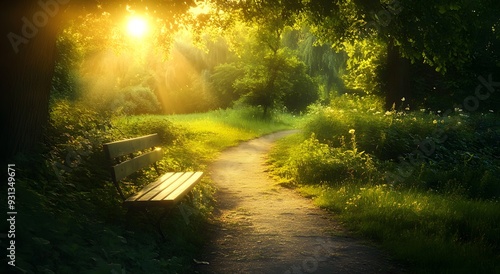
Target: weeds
[{"x": 441, "y": 215}]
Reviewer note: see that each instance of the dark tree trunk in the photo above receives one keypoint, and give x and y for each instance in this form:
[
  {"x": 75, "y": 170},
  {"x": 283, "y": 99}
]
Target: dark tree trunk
[
  {"x": 28, "y": 40},
  {"x": 397, "y": 78}
]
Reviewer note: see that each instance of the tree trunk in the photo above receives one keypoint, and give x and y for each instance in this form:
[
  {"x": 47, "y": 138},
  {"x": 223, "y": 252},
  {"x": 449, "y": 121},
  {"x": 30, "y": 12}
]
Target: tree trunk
[
  {"x": 397, "y": 78},
  {"x": 28, "y": 43}
]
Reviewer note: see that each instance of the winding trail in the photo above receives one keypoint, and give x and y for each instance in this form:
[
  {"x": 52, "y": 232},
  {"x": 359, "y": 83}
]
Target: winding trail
[{"x": 265, "y": 228}]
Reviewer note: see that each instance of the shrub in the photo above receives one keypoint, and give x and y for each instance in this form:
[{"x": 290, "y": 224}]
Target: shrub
[
  {"x": 144, "y": 125},
  {"x": 135, "y": 100},
  {"x": 74, "y": 140},
  {"x": 73, "y": 213},
  {"x": 445, "y": 151},
  {"x": 314, "y": 162}
]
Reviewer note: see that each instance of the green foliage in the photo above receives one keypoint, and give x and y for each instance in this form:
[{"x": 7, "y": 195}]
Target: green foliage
[
  {"x": 426, "y": 185},
  {"x": 278, "y": 79},
  {"x": 313, "y": 162},
  {"x": 148, "y": 124},
  {"x": 446, "y": 43},
  {"x": 324, "y": 62},
  {"x": 363, "y": 65},
  {"x": 135, "y": 100},
  {"x": 75, "y": 139},
  {"x": 427, "y": 150},
  {"x": 303, "y": 89},
  {"x": 222, "y": 81},
  {"x": 65, "y": 82}
]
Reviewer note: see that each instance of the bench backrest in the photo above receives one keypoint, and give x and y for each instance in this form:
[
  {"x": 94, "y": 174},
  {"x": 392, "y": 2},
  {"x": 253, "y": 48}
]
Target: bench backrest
[{"x": 115, "y": 151}]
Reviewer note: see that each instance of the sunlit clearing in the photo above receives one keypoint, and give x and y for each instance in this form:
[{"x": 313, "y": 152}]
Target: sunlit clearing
[{"x": 137, "y": 26}]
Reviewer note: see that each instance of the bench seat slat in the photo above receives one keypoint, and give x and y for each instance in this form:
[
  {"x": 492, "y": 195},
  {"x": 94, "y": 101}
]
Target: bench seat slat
[
  {"x": 168, "y": 192},
  {"x": 184, "y": 188},
  {"x": 161, "y": 193},
  {"x": 155, "y": 187},
  {"x": 169, "y": 176}
]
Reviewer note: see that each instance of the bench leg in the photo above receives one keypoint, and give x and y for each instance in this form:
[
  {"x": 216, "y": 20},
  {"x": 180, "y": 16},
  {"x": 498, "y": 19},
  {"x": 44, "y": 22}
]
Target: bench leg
[
  {"x": 187, "y": 207},
  {"x": 186, "y": 211},
  {"x": 152, "y": 218},
  {"x": 162, "y": 216}
]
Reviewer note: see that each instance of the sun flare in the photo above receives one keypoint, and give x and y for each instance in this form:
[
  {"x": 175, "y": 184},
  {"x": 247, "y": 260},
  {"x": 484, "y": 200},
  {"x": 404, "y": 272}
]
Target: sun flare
[{"x": 137, "y": 26}]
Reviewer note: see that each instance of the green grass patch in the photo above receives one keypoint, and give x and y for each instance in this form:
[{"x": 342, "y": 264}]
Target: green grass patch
[{"x": 430, "y": 232}]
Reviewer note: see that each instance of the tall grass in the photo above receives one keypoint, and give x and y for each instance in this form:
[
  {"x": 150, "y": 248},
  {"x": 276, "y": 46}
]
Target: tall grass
[
  {"x": 430, "y": 232},
  {"x": 213, "y": 131},
  {"x": 440, "y": 218}
]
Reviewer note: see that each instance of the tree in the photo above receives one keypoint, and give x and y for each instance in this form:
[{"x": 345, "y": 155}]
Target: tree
[
  {"x": 322, "y": 61},
  {"x": 271, "y": 72},
  {"x": 28, "y": 46},
  {"x": 222, "y": 82},
  {"x": 30, "y": 30},
  {"x": 449, "y": 36}
]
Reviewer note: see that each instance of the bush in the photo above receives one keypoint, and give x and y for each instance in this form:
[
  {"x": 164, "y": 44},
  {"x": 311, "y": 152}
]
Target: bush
[
  {"x": 135, "y": 100},
  {"x": 144, "y": 125},
  {"x": 222, "y": 83},
  {"x": 73, "y": 214},
  {"x": 452, "y": 152},
  {"x": 74, "y": 140},
  {"x": 313, "y": 162}
]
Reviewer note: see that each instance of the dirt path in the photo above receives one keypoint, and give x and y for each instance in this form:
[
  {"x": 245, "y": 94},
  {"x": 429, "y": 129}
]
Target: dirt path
[{"x": 264, "y": 228}]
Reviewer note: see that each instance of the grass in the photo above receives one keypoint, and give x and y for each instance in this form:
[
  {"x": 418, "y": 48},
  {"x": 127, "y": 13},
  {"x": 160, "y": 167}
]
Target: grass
[
  {"x": 197, "y": 140},
  {"x": 430, "y": 232},
  {"x": 201, "y": 136},
  {"x": 223, "y": 128},
  {"x": 434, "y": 221},
  {"x": 67, "y": 177}
]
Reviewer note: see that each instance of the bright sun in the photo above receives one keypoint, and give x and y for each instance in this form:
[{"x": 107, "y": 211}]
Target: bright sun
[{"x": 137, "y": 27}]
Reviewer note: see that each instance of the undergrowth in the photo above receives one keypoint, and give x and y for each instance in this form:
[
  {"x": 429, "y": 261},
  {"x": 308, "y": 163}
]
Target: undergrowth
[
  {"x": 71, "y": 219},
  {"x": 423, "y": 184}
]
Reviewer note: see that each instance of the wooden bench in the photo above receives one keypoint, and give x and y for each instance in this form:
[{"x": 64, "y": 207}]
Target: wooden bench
[{"x": 131, "y": 155}]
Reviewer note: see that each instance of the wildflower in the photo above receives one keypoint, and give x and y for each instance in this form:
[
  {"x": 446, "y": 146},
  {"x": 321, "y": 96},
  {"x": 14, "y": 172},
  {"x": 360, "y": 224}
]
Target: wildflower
[
  {"x": 351, "y": 131},
  {"x": 403, "y": 99},
  {"x": 435, "y": 122}
]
